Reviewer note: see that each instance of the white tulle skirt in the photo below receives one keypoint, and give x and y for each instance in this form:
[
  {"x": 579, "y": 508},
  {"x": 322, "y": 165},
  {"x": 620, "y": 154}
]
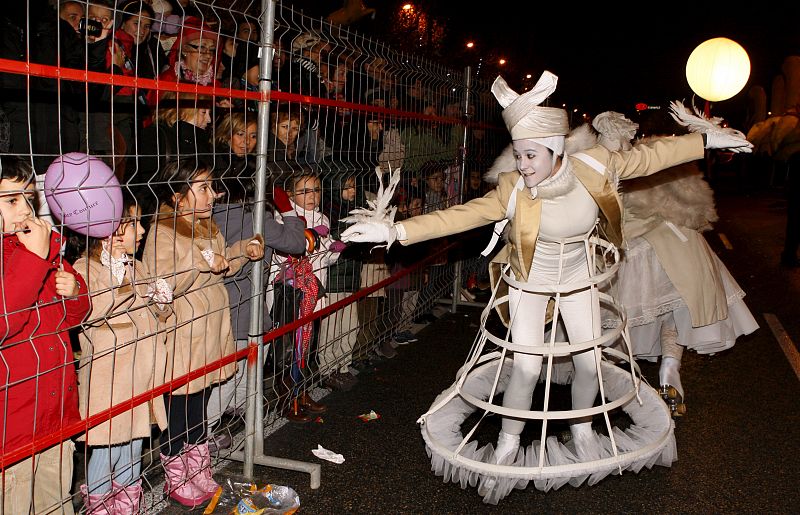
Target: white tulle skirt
[
  {"x": 644, "y": 288},
  {"x": 458, "y": 457}
]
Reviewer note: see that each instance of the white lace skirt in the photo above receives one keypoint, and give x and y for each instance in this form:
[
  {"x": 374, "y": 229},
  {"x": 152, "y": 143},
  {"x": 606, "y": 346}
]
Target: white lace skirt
[{"x": 649, "y": 297}]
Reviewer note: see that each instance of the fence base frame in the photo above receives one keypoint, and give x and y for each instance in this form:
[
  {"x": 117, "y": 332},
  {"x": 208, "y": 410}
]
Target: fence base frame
[{"x": 313, "y": 469}]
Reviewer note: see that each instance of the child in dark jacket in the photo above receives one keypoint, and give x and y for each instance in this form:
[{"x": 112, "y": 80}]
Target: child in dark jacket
[
  {"x": 338, "y": 332},
  {"x": 42, "y": 297}
]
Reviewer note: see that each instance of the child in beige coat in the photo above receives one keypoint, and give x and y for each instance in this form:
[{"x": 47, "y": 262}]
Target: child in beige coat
[
  {"x": 122, "y": 356},
  {"x": 187, "y": 249}
]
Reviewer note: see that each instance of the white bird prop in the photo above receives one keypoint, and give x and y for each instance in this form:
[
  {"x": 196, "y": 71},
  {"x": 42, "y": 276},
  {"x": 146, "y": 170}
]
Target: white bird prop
[
  {"x": 695, "y": 121},
  {"x": 380, "y": 212}
]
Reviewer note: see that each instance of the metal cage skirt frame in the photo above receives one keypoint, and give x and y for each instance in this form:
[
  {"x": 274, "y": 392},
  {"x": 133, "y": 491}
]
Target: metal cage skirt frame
[{"x": 459, "y": 458}]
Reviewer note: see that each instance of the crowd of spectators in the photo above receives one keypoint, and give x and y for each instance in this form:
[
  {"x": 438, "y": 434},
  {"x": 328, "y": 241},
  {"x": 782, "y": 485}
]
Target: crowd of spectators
[{"x": 187, "y": 165}]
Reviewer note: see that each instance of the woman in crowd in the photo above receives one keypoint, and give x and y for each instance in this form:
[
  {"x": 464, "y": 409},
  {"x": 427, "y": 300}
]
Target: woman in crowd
[{"x": 135, "y": 53}]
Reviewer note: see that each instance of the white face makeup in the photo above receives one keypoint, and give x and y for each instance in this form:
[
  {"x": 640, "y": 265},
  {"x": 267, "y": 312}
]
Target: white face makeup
[{"x": 534, "y": 161}]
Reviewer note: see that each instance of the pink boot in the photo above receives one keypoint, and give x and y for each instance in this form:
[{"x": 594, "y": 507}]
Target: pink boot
[
  {"x": 198, "y": 459},
  {"x": 127, "y": 499},
  {"x": 177, "y": 484},
  {"x": 97, "y": 504}
]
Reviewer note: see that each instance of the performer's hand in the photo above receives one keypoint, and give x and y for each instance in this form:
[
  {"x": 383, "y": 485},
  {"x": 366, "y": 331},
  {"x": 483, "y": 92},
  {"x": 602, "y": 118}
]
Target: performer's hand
[
  {"x": 365, "y": 232},
  {"x": 730, "y": 139}
]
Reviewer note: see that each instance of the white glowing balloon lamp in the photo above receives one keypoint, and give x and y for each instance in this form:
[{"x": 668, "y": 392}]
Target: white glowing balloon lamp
[{"x": 718, "y": 69}]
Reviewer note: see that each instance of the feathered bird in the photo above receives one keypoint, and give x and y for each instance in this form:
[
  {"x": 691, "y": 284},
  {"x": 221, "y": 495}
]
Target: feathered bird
[
  {"x": 695, "y": 121},
  {"x": 380, "y": 210}
]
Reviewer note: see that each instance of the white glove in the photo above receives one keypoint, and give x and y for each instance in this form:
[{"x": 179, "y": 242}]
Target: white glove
[
  {"x": 374, "y": 232},
  {"x": 731, "y": 139}
]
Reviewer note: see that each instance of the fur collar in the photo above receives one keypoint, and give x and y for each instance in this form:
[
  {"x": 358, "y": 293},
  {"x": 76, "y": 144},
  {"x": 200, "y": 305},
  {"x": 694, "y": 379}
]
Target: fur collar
[
  {"x": 678, "y": 194},
  {"x": 202, "y": 229},
  {"x": 558, "y": 185}
]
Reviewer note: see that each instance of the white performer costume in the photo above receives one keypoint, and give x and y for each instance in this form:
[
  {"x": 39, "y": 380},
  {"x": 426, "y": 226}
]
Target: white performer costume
[
  {"x": 551, "y": 203},
  {"x": 676, "y": 291}
]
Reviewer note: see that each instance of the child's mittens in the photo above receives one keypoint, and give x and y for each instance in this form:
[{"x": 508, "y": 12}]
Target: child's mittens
[
  {"x": 322, "y": 230},
  {"x": 337, "y": 246},
  {"x": 160, "y": 291},
  {"x": 281, "y": 201}
]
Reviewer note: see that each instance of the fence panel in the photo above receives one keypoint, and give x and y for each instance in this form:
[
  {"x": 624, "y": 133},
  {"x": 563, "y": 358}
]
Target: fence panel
[{"x": 190, "y": 188}]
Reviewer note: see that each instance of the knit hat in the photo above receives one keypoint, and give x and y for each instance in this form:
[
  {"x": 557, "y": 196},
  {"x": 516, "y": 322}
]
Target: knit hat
[
  {"x": 194, "y": 28},
  {"x": 526, "y": 119},
  {"x": 303, "y": 41}
]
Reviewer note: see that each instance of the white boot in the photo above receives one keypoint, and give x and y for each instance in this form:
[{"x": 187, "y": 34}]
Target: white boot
[
  {"x": 507, "y": 445},
  {"x": 586, "y": 445},
  {"x": 504, "y": 454},
  {"x": 669, "y": 373}
]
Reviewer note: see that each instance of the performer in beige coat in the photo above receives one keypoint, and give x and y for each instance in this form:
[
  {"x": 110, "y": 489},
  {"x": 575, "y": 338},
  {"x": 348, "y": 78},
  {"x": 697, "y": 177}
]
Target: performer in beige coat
[
  {"x": 185, "y": 248},
  {"x": 552, "y": 201},
  {"x": 676, "y": 291}
]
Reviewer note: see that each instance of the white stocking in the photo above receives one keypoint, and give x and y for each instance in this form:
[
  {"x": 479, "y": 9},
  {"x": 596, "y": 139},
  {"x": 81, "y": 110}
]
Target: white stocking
[
  {"x": 527, "y": 311},
  {"x": 671, "y": 354},
  {"x": 506, "y": 446}
]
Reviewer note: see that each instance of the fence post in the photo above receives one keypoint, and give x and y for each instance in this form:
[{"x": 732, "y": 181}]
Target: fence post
[
  {"x": 254, "y": 428},
  {"x": 463, "y": 158},
  {"x": 254, "y": 419}
]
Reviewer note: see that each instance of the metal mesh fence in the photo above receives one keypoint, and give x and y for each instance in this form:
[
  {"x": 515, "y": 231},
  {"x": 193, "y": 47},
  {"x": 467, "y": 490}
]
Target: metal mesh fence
[{"x": 194, "y": 295}]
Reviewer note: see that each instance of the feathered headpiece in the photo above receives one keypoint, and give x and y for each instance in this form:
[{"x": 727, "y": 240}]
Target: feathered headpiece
[{"x": 616, "y": 131}]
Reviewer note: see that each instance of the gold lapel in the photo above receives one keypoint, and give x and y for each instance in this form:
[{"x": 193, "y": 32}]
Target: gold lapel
[{"x": 527, "y": 218}]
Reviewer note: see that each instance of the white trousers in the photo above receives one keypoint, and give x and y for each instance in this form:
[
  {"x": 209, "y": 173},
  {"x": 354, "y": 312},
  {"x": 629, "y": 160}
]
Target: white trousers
[{"x": 580, "y": 312}]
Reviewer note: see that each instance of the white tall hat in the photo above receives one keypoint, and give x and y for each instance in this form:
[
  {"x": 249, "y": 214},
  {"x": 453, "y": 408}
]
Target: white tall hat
[{"x": 526, "y": 119}]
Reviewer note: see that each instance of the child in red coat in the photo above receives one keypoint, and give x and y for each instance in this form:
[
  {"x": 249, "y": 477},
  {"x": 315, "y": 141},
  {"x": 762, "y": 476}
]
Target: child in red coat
[{"x": 42, "y": 297}]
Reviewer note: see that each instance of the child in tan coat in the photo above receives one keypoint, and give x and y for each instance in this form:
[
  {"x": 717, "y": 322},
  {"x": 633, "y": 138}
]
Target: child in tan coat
[
  {"x": 186, "y": 248},
  {"x": 122, "y": 356}
]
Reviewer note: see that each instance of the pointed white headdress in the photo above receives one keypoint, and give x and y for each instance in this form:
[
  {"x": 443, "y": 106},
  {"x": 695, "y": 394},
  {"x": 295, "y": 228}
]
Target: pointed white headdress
[{"x": 525, "y": 118}]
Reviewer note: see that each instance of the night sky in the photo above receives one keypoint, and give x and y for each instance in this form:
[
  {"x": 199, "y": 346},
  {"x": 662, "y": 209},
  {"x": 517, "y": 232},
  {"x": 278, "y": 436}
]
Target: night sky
[{"x": 610, "y": 58}]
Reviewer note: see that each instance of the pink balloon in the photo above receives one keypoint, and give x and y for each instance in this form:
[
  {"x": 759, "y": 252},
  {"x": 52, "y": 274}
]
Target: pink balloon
[{"x": 84, "y": 194}]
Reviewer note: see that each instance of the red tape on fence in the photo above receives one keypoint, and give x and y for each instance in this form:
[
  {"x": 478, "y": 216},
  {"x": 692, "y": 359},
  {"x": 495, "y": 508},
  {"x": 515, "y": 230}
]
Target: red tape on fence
[{"x": 117, "y": 80}]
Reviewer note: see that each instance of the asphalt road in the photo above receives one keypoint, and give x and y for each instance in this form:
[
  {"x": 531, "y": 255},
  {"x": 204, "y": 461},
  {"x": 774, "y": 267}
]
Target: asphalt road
[{"x": 737, "y": 447}]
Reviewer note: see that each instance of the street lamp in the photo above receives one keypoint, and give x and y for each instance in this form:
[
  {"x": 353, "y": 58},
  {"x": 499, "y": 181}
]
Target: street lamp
[
  {"x": 502, "y": 62},
  {"x": 470, "y": 44}
]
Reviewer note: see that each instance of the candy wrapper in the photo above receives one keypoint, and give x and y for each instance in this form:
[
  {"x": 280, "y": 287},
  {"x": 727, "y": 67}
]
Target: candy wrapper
[
  {"x": 242, "y": 498},
  {"x": 366, "y": 417}
]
